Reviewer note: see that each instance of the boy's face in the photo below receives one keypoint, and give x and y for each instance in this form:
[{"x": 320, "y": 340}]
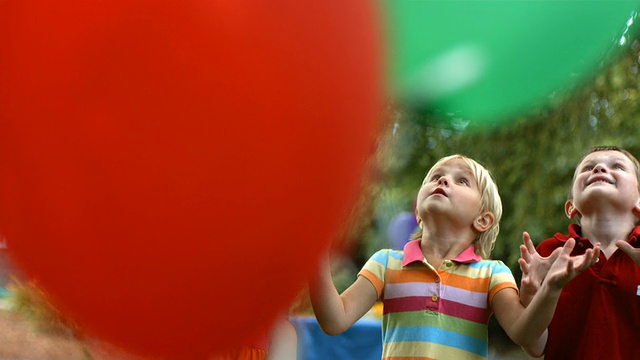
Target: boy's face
[
  {"x": 605, "y": 178},
  {"x": 450, "y": 189}
]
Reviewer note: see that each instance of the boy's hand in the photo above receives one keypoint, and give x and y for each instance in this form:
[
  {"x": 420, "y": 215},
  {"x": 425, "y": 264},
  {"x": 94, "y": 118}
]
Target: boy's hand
[
  {"x": 534, "y": 268},
  {"x": 629, "y": 250},
  {"x": 566, "y": 267}
]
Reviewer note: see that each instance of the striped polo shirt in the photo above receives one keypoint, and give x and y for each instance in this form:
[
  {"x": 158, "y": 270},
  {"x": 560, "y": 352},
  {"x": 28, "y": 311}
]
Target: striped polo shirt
[{"x": 435, "y": 313}]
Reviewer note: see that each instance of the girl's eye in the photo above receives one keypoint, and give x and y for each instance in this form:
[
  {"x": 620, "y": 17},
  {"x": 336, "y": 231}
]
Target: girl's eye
[
  {"x": 435, "y": 177},
  {"x": 463, "y": 181},
  {"x": 587, "y": 168},
  {"x": 618, "y": 166}
]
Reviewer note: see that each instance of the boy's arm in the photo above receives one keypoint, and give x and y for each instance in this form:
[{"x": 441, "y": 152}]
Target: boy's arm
[
  {"x": 629, "y": 250},
  {"x": 337, "y": 312},
  {"x": 527, "y": 326}
]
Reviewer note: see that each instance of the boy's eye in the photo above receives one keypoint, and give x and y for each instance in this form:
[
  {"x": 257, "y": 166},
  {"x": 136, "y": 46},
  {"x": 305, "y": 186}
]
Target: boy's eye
[
  {"x": 435, "y": 177},
  {"x": 618, "y": 166},
  {"x": 463, "y": 181},
  {"x": 587, "y": 168}
]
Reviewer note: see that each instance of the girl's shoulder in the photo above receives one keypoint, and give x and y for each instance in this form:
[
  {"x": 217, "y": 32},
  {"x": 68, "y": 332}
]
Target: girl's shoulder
[
  {"x": 388, "y": 253},
  {"x": 493, "y": 265}
]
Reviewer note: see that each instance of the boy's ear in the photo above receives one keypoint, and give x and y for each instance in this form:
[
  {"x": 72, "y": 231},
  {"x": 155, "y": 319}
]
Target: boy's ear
[
  {"x": 636, "y": 209},
  {"x": 570, "y": 210},
  {"x": 484, "y": 221}
]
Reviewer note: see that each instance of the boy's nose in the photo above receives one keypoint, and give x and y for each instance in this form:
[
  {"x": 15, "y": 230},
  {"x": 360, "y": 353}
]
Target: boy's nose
[{"x": 599, "y": 168}]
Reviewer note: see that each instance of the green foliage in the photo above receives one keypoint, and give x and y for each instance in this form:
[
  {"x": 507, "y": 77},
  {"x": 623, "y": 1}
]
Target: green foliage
[{"x": 532, "y": 158}]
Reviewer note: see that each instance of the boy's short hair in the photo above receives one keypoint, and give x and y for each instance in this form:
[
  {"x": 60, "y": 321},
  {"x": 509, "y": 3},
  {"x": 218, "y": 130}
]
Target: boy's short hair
[
  {"x": 629, "y": 155},
  {"x": 489, "y": 198}
]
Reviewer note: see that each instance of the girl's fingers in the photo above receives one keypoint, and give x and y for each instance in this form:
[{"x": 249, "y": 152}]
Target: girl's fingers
[
  {"x": 524, "y": 266},
  {"x": 570, "y": 268},
  {"x": 568, "y": 247},
  {"x": 586, "y": 261},
  {"x": 528, "y": 243},
  {"x": 596, "y": 253},
  {"x": 554, "y": 255},
  {"x": 524, "y": 253}
]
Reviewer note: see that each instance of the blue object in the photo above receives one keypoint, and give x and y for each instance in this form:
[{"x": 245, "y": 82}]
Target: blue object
[
  {"x": 363, "y": 341},
  {"x": 401, "y": 227}
]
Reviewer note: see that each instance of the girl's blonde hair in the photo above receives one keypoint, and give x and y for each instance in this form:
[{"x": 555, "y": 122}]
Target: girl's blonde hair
[{"x": 489, "y": 198}]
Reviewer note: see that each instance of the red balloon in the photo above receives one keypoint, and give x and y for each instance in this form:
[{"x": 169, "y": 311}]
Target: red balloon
[{"x": 170, "y": 169}]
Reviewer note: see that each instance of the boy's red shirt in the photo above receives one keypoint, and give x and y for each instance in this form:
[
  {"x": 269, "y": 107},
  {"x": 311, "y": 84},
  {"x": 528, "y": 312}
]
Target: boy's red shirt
[{"x": 598, "y": 314}]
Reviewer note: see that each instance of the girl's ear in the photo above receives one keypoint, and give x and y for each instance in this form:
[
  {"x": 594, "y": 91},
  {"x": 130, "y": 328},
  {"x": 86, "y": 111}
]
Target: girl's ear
[
  {"x": 484, "y": 221},
  {"x": 418, "y": 220},
  {"x": 570, "y": 210}
]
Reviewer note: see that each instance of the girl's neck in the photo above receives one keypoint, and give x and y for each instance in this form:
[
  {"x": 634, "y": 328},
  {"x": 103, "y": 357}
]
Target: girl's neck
[{"x": 440, "y": 245}]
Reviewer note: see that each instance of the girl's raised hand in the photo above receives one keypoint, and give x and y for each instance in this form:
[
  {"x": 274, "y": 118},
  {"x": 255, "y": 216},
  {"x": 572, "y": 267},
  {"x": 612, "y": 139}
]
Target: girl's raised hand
[
  {"x": 566, "y": 267},
  {"x": 534, "y": 268}
]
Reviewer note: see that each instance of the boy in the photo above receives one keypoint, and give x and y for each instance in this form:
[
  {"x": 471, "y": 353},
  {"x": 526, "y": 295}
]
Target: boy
[
  {"x": 598, "y": 313},
  {"x": 439, "y": 293}
]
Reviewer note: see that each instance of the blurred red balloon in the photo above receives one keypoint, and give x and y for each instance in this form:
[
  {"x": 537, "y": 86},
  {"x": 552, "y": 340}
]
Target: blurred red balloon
[{"x": 170, "y": 169}]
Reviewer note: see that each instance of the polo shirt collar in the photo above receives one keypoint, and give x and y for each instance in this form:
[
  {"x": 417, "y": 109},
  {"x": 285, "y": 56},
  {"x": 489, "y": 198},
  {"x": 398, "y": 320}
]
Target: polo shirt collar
[
  {"x": 635, "y": 236},
  {"x": 575, "y": 231},
  {"x": 468, "y": 256},
  {"x": 413, "y": 253}
]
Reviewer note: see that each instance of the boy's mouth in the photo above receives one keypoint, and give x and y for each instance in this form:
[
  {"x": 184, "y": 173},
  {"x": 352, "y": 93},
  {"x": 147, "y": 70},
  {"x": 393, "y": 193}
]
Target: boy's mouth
[{"x": 599, "y": 179}]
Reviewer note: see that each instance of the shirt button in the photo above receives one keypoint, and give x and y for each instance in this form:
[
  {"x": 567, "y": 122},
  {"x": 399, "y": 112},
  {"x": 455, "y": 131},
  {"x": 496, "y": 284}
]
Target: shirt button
[
  {"x": 437, "y": 279},
  {"x": 448, "y": 263},
  {"x": 434, "y": 298}
]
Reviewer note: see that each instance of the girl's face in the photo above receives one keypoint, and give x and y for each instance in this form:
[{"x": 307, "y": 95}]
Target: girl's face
[{"x": 450, "y": 189}]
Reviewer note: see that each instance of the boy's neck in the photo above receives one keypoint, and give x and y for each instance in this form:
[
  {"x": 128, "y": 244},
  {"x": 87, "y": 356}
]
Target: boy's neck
[{"x": 607, "y": 229}]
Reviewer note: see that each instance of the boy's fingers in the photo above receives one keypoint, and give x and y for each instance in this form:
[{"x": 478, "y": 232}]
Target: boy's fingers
[{"x": 626, "y": 248}]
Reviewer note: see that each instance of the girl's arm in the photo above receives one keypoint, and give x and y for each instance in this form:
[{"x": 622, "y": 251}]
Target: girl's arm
[
  {"x": 283, "y": 344},
  {"x": 534, "y": 268},
  {"x": 527, "y": 326},
  {"x": 337, "y": 312},
  {"x": 528, "y": 330}
]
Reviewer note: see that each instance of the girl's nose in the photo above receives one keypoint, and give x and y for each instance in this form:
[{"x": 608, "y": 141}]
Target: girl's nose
[{"x": 443, "y": 181}]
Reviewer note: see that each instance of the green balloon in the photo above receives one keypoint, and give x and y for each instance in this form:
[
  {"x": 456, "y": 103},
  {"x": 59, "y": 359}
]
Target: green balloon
[{"x": 490, "y": 60}]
